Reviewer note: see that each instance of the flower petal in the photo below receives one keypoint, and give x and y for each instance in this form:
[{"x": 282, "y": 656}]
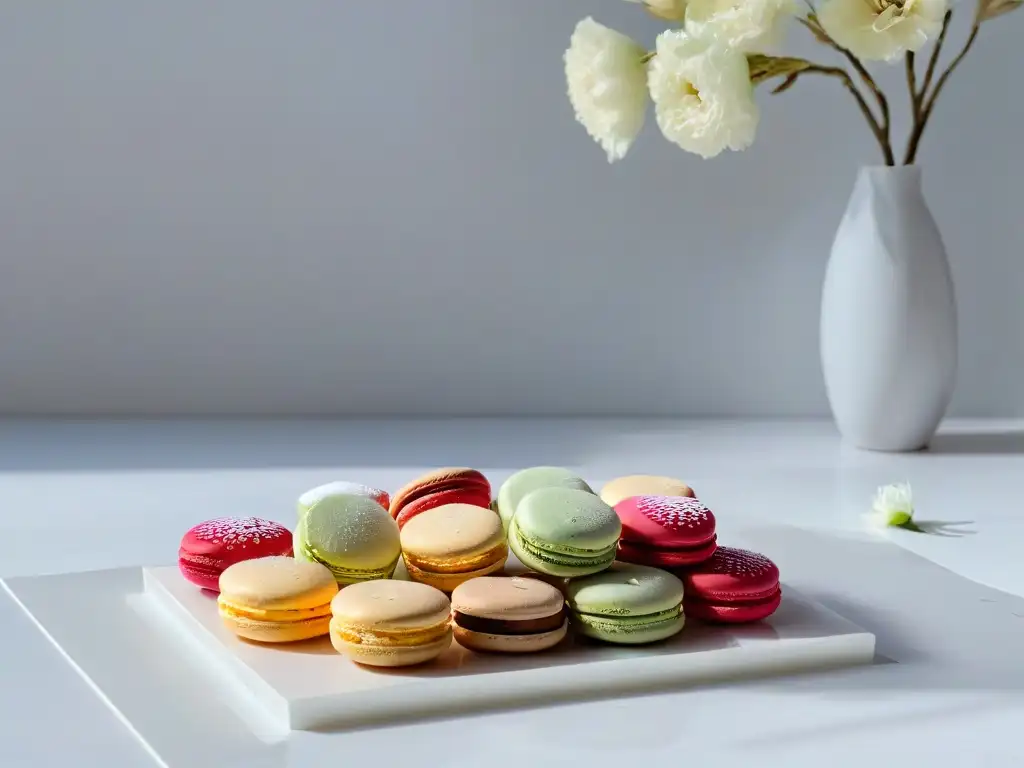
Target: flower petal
[
  {"x": 606, "y": 78},
  {"x": 703, "y": 96}
]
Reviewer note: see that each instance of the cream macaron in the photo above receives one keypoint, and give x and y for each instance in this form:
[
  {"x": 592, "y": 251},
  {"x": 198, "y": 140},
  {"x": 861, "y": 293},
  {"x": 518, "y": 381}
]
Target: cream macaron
[
  {"x": 276, "y": 599},
  {"x": 388, "y": 623},
  {"x": 447, "y": 545},
  {"x": 643, "y": 485},
  {"x": 508, "y": 615}
]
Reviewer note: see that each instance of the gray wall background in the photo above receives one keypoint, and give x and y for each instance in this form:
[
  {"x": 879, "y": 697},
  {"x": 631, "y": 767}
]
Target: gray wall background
[{"x": 386, "y": 207}]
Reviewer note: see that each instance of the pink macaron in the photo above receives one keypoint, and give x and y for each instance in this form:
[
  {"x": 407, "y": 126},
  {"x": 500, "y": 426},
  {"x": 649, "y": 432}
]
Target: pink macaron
[
  {"x": 210, "y": 548},
  {"x": 665, "y": 531},
  {"x": 734, "y": 586}
]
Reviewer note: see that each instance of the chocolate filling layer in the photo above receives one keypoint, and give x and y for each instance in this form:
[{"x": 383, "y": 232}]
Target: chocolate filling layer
[{"x": 503, "y": 627}]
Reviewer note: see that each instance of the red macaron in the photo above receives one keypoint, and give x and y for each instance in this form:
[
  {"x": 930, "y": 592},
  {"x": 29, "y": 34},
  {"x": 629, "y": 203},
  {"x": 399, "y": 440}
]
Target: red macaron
[
  {"x": 451, "y": 485},
  {"x": 733, "y": 587},
  {"x": 209, "y": 548},
  {"x": 665, "y": 531}
]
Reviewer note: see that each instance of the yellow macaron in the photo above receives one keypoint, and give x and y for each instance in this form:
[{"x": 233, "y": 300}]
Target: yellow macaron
[
  {"x": 388, "y": 623},
  {"x": 447, "y": 545},
  {"x": 277, "y": 599}
]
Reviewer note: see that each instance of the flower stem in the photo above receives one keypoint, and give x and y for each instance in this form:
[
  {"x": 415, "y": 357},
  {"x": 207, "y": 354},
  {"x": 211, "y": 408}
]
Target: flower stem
[
  {"x": 912, "y": 83},
  {"x": 880, "y": 127},
  {"x": 934, "y": 59},
  {"x": 877, "y": 129},
  {"x": 926, "y": 102}
]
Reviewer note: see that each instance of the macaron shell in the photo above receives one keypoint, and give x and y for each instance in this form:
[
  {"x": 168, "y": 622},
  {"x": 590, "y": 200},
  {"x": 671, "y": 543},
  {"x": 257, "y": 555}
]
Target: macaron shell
[
  {"x": 473, "y": 495},
  {"x": 666, "y": 522},
  {"x": 436, "y": 480},
  {"x": 209, "y": 548},
  {"x": 449, "y": 582},
  {"x": 625, "y": 590},
  {"x": 528, "y": 480},
  {"x": 489, "y": 643},
  {"x": 558, "y": 582},
  {"x": 507, "y": 598},
  {"x": 391, "y": 656},
  {"x": 391, "y": 623},
  {"x": 567, "y": 520},
  {"x": 352, "y": 535},
  {"x": 732, "y": 574},
  {"x": 622, "y": 631},
  {"x": 733, "y": 612},
  {"x": 277, "y": 583},
  {"x": 452, "y": 532},
  {"x": 341, "y": 488},
  {"x": 558, "y": 564},
  {"x": 665, "y": 558},
  {"x": 205, "y": 578},
  {"x": 390, "y": 605},
  {"x": 278, "y": 632},
  {"x": 643, "y": 485}
]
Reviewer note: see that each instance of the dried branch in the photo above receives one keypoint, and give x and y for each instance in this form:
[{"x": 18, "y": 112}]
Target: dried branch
[
  {"x": 933, "y": 61},
  {"x": 912, "y": 81},
  {"x": 884, "y": 124},
  {"x": 927, "y": 102},
  {"x": 792, "y": 72},
  {"x": 995, "y": 8}
]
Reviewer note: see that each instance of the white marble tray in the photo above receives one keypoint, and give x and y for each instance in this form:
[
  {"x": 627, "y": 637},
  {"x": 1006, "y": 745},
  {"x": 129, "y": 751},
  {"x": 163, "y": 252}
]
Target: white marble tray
[
  {"x": 309, "y": 686},
  {"x": 153, "y": 649}
]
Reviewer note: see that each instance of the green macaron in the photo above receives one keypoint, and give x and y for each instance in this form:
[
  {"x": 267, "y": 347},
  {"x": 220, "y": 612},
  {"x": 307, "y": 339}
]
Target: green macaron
[
  {"x": 526, "y": 481},
  {"x": 564, "y": 532},
  {"x": 353, "y": 536},
  {"x": 627, "y": 604}
]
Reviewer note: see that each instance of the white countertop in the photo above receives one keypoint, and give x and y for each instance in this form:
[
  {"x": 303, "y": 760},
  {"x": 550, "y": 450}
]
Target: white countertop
[{"x": 81, "y": 496}]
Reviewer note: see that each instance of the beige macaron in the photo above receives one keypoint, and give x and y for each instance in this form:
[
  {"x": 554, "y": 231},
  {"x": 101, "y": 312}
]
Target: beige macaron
[
  {"x": 505, "y": 614},
  {"x": 388, "y": 623},
  {"x": 447, "y": 545},
  {"x": 643, "y": 485},
  {"x": 276, "y": 599}
]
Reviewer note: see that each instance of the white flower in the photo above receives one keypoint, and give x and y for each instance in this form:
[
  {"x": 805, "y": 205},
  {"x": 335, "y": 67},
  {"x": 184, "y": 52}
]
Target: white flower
[
  {"x": 893, "y": 505},
  {"x": 670, "y": 10},
  {"x": 606, "y": 75},
  {"x": 882, "y": 30},
  {"x": 752, "y": 26},
  {"x": 703, "y": 97}
]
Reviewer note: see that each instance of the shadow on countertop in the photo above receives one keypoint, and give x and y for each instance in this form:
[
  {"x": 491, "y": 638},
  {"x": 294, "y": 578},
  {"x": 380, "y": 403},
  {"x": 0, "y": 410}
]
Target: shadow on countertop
[{"x": 981, "y": 443}]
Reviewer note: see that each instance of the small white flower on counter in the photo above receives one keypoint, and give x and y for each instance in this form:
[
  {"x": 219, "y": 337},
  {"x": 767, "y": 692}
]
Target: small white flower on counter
[{"x": 893, "y": 505}]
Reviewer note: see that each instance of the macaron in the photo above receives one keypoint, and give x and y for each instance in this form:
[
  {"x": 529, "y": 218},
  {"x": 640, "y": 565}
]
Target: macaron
[
  {"x": 643, "y": 485},
  {"x": 449, "y": 485},
  {"x": 733, "y": 586},
  {"x": 508, "y": 615},
  {"x": 564, "y": 532},
  {"x": 391, "y": 623},
  {"x": 445, "y": 546},
  {"x": 525, "y": 481},
  {"x": 627, "y": 605},
  {"x": 340, "y": 488},
  {"x": 276, "y": 599},
  {"x": 210, "y": 548},
  {"x": 665, "y": 531},
  {"x": 353, "y": 536}
]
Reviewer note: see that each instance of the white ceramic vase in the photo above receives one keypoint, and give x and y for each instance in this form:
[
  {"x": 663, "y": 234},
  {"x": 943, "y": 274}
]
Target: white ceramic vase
[{"x": 888, "y": 316}]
